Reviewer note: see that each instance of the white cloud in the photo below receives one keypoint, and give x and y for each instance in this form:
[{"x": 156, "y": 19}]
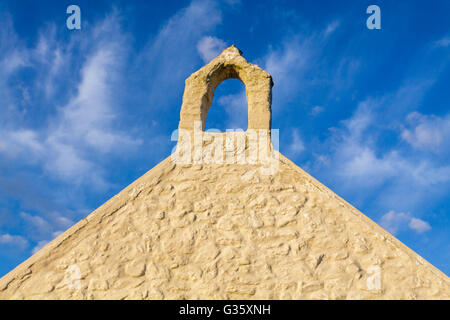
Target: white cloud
[
  {"x": 210, "y": 47},
  {"x": 236, "y": 108},
  {"x": 392, "y": 221},
  {"x": 86, "y": 124},
  {"x": 419, "y": 225},
  {"x": 443, "y": 43},
  {"x": 301, "y": 63},
  {"x": 170, "y": 57},
  {"x": 331, "y": 27},
  {"x": 366, "y": 170},
  {"x": 44, "y": 226},
  {"x": 296, "y": 145},
  {"x": 63, "y": 222},
  {"x": 289, "y": 64},
  {"x": 316, "y": 110},
  {"x": 37, "y": 223},
  {"x": 17, "y": 142},
  {"x": 12, "y": 54},
  {"x": 57, "y": 233},
  {"x": 43, "y": 243},
  {"x": 427, "y": 132},
  {"x": 397, "y": 221},
  {"x": 13, "y": 61},
  {"x": 12, "y": 240},
  {"x": 359, "y": 159},
  {"x": 362, "y": 163},
  {"x": 39, "y": 246}
]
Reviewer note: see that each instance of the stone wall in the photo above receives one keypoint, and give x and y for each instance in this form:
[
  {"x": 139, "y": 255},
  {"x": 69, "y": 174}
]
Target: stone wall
[{"x": 226, "y": 232}]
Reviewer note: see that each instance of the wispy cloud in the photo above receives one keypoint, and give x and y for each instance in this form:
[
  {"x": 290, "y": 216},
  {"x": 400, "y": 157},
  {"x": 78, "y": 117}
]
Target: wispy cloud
[
  {"x": 210, "y": 47},
  {"x": 289, "y": 64},
  {"x": 13, "y": 240},
  {"x": 397, "y": 221},
  {"x": 442, "y": 43},
  {"x": 42, "y": 243},
  {"x": 85, "y": 125},
  {"x": 316, "y": 110},
  {"x": 419, "y": 225},
  {"x": 301, "y": 65},
  {"x": 38, "y": 224},
  {"x": 39, "y": 246},
  {"x": 87, "y": 122},
  {"x": 359, "y": 161},
  {"x": 236, "y": 107},
  {"x": 172, "y": 55},
  {"x": 427, "y": 132},
  {"x": 296, "y": 145},
  {"x": 331, "y": 27}
]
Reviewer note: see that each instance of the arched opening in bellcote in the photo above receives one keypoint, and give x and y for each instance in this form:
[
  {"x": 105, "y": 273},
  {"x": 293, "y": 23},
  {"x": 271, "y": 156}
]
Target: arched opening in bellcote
[{"x": 229, "y": 108}]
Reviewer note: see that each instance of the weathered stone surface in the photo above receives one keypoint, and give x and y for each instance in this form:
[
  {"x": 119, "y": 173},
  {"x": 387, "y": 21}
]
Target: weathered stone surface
[{"x": 221, "y": 231}]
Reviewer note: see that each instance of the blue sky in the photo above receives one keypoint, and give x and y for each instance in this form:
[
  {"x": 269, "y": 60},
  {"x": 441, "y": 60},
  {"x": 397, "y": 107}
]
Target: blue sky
[{"x": 83, "y": 113}]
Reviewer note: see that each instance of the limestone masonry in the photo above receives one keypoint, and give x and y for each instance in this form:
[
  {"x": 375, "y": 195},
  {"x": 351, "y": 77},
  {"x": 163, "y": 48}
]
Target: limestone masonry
[{"x": 226, "y": 230}]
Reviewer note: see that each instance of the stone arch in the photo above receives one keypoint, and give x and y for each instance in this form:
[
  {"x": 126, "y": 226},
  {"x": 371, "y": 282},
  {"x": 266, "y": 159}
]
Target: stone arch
[{"x": 200, "y": 87}]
